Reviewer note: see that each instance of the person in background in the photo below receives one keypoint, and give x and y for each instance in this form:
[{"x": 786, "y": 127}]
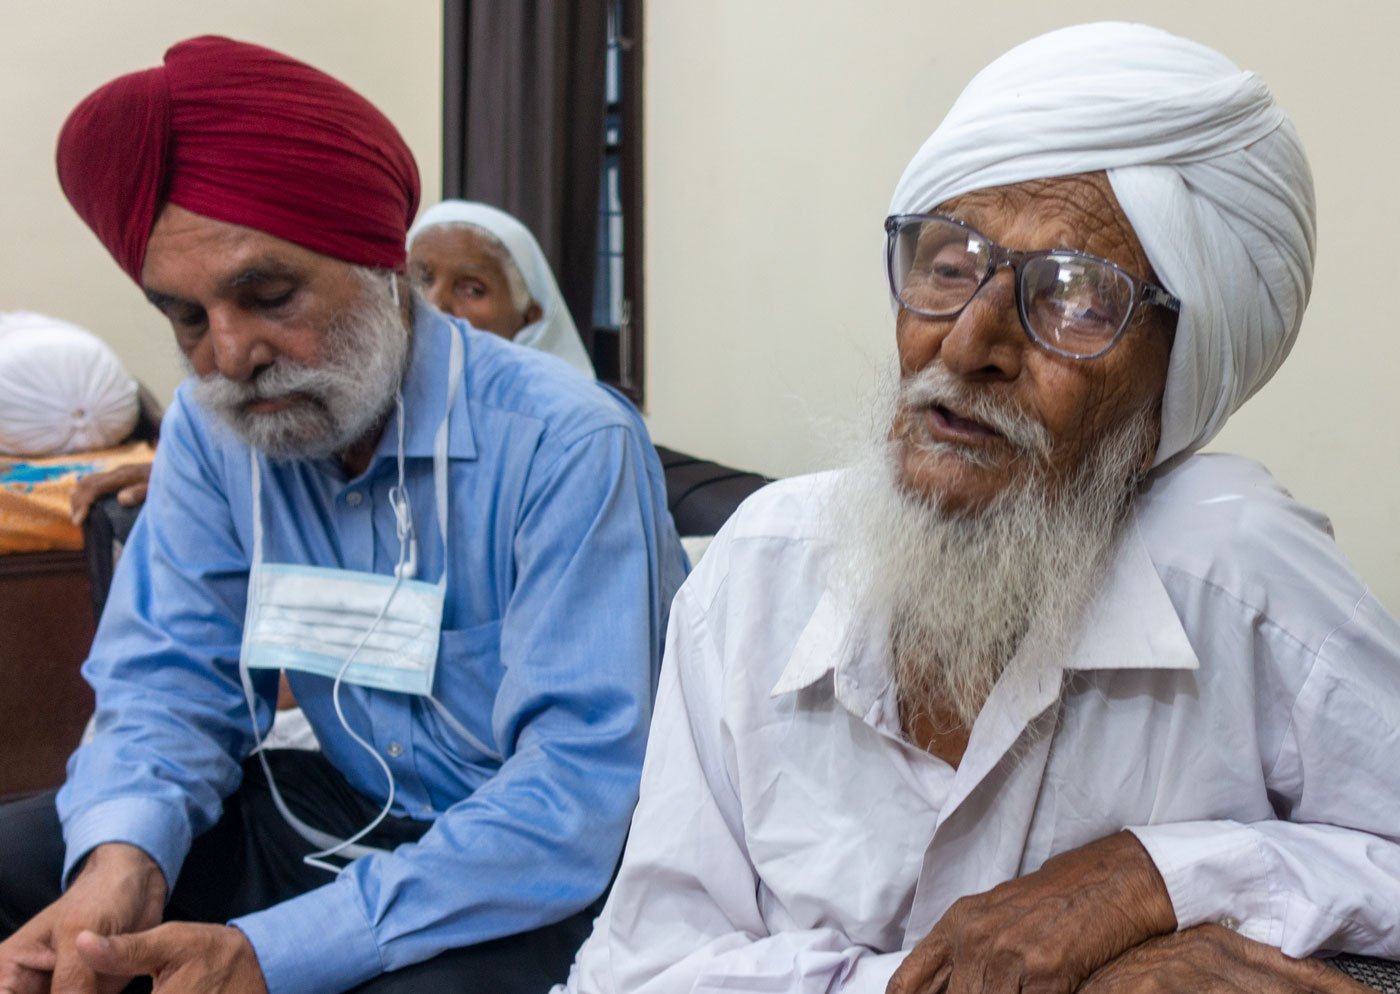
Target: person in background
[
  {"x": 459, "y": 551},
  {"x": 1033, "y": 697},
  {"x": 478, "y": 263}
]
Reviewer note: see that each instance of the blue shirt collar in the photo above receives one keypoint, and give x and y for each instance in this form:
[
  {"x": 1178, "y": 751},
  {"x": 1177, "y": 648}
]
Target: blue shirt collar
[{"x": 425, "y": 391}]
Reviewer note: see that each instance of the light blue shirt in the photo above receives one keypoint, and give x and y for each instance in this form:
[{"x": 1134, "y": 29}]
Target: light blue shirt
[{"x": 562, "y": 563}]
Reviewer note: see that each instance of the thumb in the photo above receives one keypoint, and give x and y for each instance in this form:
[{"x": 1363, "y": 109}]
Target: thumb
[{"x": 130, "y": 955}]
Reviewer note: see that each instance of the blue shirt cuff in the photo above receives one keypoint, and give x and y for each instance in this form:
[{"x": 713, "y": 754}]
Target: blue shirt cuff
[
  {"x": 318, "y": 943},
  {"x": 154, "y": 827}
]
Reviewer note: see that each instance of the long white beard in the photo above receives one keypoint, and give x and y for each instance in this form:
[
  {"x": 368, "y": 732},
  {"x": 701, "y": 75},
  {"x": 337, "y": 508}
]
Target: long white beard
[
  {"x": 963, "y": 592},
  {"x": 341, "y": 400}
]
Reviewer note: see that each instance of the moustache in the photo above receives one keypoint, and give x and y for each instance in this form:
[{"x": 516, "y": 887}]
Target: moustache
[
  {"x": 935, "y": 386},
  {"x": 280, "y": 379}
]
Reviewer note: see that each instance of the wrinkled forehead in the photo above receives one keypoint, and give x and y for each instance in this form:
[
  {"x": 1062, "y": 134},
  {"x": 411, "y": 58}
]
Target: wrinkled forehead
[
  {"x": 1074, "y": 212},
  {"x": 462, "y": 243}
]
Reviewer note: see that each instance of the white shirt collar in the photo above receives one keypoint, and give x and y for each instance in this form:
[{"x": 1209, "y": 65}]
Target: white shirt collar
[{"x": 1131, "y": 624}]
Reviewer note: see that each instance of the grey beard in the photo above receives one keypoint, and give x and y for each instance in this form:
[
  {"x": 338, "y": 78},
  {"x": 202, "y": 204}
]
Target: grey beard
[
  {"x": 341, "y": 400},
  {"x": 963, "y": 592}
]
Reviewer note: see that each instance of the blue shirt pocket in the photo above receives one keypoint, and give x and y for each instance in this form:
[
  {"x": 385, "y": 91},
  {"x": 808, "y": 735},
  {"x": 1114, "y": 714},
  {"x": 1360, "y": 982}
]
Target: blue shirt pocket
[{"x": 469, "y": 674}]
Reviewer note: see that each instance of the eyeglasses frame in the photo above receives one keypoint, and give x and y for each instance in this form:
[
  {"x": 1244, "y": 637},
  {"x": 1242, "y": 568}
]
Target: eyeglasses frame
[{"x": 1143, "y": 292}]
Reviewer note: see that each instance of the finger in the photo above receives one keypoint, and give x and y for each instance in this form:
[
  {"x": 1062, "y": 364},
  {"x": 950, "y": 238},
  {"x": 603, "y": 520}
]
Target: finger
[
  {"x": 71, "y": 975},
  {"x": 924, "y": 971},
  {"x": 40, "y": 958},
  {"x": 18, "y": 977},
  {"x": 80, "y": 502},
  {"x": 125, "y": 476},
  {"x": 86, "y": 493},
  {"x": 132, "y": 496},
  {"x": 130, "y": 955},
  {"x": 26, "y": 982}
]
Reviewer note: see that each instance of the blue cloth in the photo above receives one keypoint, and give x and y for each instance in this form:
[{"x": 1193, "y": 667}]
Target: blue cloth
[{"x": 562, "y": 564}]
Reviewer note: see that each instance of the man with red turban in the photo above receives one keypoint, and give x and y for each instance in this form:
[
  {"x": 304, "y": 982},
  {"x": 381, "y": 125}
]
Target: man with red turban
[{"x": 457, "y": 550}]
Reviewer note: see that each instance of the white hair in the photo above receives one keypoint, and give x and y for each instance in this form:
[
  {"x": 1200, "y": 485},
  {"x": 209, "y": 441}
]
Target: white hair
[
  {"x": 344, "y": 397},
  {"x": 963, "y": 591}
]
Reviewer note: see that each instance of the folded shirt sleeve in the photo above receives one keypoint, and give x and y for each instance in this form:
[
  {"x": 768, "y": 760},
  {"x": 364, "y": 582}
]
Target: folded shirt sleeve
[
  {"x": 1326, "y": 874},
  {"x": 172, "y": 722}
]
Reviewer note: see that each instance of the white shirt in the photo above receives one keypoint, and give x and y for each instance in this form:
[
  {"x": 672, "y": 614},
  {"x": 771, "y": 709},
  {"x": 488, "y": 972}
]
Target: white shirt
[{"x": 1234, "y": 698}]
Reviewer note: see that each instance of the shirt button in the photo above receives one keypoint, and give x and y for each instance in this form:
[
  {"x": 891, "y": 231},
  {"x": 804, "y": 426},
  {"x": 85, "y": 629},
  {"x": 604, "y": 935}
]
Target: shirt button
[
  {"x": 353, "y": 498},
  {"x": 395, "y": 750},
  {"x": 1232, "y": 924}
]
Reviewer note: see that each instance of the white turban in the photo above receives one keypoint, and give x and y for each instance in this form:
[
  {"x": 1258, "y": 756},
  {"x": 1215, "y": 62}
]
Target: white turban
[
  {"x": 554, "y": 332},
  {"x": 1208, "y": 169}
]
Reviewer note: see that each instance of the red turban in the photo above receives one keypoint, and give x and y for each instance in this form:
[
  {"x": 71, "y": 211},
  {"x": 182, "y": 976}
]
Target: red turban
[{"x": 242, "y": 134}]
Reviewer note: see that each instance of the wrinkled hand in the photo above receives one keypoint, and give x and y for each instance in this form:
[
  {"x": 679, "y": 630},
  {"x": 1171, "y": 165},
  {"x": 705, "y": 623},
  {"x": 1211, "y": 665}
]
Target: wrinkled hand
[
  {"x": 1047, "y": 931},
  {"x": 179, "y": 957},
  {"x": 119, "y": 889},
  {"x": 128, "y": 481},
  {"x": 1209, "y": 959}
]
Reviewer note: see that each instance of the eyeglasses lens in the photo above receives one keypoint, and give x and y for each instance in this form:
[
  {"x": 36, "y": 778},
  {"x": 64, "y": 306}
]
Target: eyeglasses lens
[
  {"x": 1071, "y": 303},
  {"x": 938, "y": 266}
]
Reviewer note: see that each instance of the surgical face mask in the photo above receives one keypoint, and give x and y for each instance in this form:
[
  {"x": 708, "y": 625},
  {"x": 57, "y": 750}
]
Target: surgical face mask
[{"x": 364, "y": 628}]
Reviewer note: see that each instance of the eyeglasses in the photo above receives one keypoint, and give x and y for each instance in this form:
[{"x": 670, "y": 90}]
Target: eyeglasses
[{"x": 1071, "y": 303}]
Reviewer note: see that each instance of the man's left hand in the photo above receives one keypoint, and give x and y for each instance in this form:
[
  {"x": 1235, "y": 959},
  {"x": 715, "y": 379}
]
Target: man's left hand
[
  {"x": 1046, "y": 931},
  {"x": 179, "y": 957},
  {"x": 1209, "y": 959}
]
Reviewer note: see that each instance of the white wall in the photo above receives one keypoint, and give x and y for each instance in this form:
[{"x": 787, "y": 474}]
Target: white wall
[
  {"x": 54, "y": 52},
  {"x": 775, "y": 130}
]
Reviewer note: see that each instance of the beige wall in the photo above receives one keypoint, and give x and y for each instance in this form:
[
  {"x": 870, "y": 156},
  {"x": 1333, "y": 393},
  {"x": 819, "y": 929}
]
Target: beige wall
[
  {"x": 775, "y": 130},
  {"x": 54, "y": 53}
]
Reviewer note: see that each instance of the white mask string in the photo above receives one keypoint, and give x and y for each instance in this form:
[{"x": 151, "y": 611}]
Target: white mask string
[{"x": 404, "y": 529}]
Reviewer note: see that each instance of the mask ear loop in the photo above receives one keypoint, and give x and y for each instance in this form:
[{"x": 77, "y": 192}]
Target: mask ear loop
[{"x": 312, "y": 835}]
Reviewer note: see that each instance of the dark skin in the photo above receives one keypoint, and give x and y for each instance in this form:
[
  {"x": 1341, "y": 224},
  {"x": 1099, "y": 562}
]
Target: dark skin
[
  {"x": 984, "y": 346},
  {"x": 1052, "y": 929},
  {"x": 1077, "y": 400},
  {"x": 1209, "y": 959},
  {"x": 129, "y": 482},
  {"x": 237, "y": 299},
  {"x": 1046, "y": 931}
]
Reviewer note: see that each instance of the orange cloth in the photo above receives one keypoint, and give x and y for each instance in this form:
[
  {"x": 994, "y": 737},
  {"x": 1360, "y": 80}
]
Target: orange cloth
[{"x": 34, "y": 496}]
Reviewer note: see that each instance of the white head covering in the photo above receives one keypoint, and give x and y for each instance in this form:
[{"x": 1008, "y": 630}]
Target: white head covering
[
  {"x": 61, "y": 388},
  {"x": 554, "y": 332},
  {"x": 1209, "y": 171}
]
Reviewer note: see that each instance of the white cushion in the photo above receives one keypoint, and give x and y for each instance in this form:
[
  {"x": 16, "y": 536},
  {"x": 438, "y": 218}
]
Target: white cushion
[{"x": 61, "y": 389}]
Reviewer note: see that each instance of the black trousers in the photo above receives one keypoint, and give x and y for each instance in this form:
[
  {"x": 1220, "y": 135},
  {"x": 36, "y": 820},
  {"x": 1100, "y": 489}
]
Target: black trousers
[{"x": 252, "y": 859}]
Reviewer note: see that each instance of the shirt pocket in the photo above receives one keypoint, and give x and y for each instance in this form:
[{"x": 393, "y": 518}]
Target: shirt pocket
[{"x": 469, "y": 674}]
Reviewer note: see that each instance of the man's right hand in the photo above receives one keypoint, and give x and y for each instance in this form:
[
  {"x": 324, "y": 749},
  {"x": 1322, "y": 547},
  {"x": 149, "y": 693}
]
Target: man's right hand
[
  {"x": 129, "y": 482},
  {"x": 119, "y": 889}
]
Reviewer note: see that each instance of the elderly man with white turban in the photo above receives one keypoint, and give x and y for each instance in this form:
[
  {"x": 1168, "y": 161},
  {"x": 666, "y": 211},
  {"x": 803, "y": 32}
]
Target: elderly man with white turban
[{"x": 1036, "y": 699}]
